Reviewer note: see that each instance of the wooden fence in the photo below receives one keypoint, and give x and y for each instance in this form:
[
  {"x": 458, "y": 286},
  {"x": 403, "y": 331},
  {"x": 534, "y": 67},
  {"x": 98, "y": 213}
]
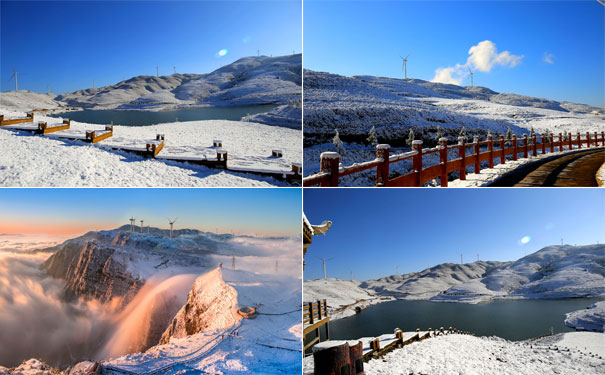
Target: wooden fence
[
  {"x": 315, "y": 315},
  {"x": 29, "y": 118},
  {"x": 331, "y": 169}
]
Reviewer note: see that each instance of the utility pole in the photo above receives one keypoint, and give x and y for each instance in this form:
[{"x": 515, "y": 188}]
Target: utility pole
[
  {"x": 93, "y": 83},
  {"x": 351, "y": 275},
  {"x": 174, "y": 67},
  {"x": 233, "y": 262},
  {"x": 157, "y": 71},
  {"x": 461, "y": 259},
  {"x": 276, "y": 267},
  {"x": 258, "y": 52}
]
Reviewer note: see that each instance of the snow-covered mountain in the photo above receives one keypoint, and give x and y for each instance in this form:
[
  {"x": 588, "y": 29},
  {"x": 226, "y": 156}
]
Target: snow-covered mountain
[
  {"x": 249, "y": 80},
  {"x": 553, "y": 272},
  {"x": 354, "y": 104}
]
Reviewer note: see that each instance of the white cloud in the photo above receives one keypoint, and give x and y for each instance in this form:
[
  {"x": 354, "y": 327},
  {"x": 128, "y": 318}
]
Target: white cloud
[
  {"x": 482, "y": 57},
  {"x": 548, "y": 58}
]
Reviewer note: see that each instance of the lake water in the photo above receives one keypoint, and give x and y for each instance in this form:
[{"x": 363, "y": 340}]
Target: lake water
[
  {"x": 512, "y": 320},
  {"x": 141, "y": 118}
]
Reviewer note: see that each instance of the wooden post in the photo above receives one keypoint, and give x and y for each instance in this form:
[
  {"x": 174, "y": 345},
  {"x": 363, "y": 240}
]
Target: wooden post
[
  {"x": 569, "y": 136},
  {"x": 382, "y": 170},
  {"x": 399, "y": 334},
  {"x": 490, "y": 148},
  {"x": 443, "y": 160},
  {"x": 560, "y": 142},
  {"x": 502, "y": 155},
  {"x": 525, "y": 146},
  {"x": 332, "y": 360},
  {"x": 544, "y": 138},
  {"x": 515, "y": 147},
  {"x": 535, "y": 141},
  {"x": 596, "y": 140},
  {"x": 356, "y": 357},
  {"x": 477, "y": 151},
  {"x": 579, "y": 141},
  {"x": 311, "y": 320},
  {"x": 375, "y": 344},
  {"x": 318, "y": 309},
  {"x": 462, "y": 154},
  {"x": 603, "y": 138},
  {"x": 552, "y": 143},
  {"x": 330, "y": 163},
  {"x": 417, "y": 162},
  {"x": 588, "y": 139}
]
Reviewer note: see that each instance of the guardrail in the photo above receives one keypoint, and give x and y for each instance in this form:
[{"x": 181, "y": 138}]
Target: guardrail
[
  {"x": 315, "y": 315},
  {"x": 331, "y": 171}
]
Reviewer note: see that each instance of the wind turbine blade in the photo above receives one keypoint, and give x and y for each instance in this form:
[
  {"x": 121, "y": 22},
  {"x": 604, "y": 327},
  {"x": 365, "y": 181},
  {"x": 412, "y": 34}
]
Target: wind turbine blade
[
  {"x": 175, "y": 220},
  {"x": 407, "y": 57},
  {"x": 13, "y": 69},
  {"x": 11, "y": 77}
]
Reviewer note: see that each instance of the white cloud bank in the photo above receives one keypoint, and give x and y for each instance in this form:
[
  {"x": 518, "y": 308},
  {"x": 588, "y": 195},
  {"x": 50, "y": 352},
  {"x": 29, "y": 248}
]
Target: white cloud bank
[
  {"x": 482, "y": 57},
  {"x": 548, "y": 58}
]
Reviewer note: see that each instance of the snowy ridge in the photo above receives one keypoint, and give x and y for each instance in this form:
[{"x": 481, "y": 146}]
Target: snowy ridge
[
  {"x": 589, "y": 319},
  {"x": 249, "y": 80}
]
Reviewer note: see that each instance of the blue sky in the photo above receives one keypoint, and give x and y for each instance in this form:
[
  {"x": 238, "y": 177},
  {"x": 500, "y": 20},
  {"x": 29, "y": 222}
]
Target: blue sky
[
  {"x": 68, "y": 44},
  {"x": 74, "y": 211},
  {"x": 561, "y": 42},
  {"x": 375, "y": 230}
]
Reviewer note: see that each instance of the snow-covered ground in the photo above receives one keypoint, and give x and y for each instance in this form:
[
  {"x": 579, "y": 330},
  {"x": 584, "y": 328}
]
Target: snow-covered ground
[
  {"x": 573, "y": 353},
  {"x": 353, "y": 105},
  {"x": 32, "y": 160},
  {"x": 590, "y": 319}
]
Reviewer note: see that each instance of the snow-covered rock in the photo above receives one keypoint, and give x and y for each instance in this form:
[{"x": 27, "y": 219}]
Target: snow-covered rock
[
  {"x": 32, "y": 367},
  {"x": 589, "y": 319},
  {"x": 211, "y": 305}
]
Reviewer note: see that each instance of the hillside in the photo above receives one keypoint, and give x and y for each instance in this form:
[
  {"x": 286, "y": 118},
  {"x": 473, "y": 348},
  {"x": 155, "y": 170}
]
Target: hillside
[
  {"x": 553, "y": 272},
  {"x": 354, "y": 104},
  {"x": 249, "y": 80}
]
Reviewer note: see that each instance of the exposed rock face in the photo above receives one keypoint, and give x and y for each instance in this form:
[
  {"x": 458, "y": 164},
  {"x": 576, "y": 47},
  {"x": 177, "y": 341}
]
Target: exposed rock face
[
  {"x": 211, "y": 305},
  {"x": 92, "y": 271}
]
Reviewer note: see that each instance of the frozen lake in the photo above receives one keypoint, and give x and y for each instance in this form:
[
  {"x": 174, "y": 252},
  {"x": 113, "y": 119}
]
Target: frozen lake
[{"x": 141, "y": 118}]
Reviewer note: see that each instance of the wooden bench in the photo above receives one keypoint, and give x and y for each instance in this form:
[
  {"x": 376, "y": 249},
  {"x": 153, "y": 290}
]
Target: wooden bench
[
  {"x": 29, "y": 118},
  {"x": 43, "y": 127},
  {"x": 95, "y": 136}
]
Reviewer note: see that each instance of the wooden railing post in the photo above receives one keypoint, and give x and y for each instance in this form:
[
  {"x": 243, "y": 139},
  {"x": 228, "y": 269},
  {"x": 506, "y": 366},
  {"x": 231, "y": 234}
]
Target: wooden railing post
[
  {"x": 588, "y": 139},
  {"x": 462, "y": 154},
  {"x": 490, "y": 148},
  {"x": 544, "y": 139},
  {"x": 603, "y": 138},
  {"x": 596, "y": 140},
  {"x": 330, "y": 163},
  {"x": 569, "y": 137},
  {"x": 579, "y": 140},
  {"x": 318, "y": 309},
  {"x": 443, "y": 160},
  {"x": 525, "y": 146},
  {"x": 477, "y": 151},
  {"x": 417, "y": 161},
  {"x": 515, "y": 147},
  {"x": 552, "y": 143},
  {"x": 382, "y": 171},
  {"x": 535, "y": 141},
  {"x": 311, "y": 320},
  {"x": 502, "y": 156},
  {"x": 560, "y": 142}
]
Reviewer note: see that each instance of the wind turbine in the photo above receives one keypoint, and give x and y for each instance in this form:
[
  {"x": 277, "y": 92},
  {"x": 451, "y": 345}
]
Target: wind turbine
[
  {"x": 233, "y": 262},
  {"x": 404, "y": 66},
  {"x": 132, "y": 221},
  {"x": 171, "y": 222},
  {"x": 324, "y": 263},
  {"x": 15, "y": 75},
  {"x": 471, "y": 73},
  {"x": 157, "y": 72},
  {"x": 276, "y": 266},
  {"x": 93, "y": 83},
  {"x": 142, "y": 225}
]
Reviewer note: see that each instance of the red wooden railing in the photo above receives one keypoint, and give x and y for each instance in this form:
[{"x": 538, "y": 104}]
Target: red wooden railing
[{"x": 331, "y": 171}]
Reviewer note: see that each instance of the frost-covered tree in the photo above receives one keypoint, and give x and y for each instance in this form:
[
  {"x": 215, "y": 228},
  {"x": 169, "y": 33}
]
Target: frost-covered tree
[
  {"x": 410, "y": 139},
  {"x": 438, "y": 135},
  {"x": 372, "y": 137},
  {"x": 489, "y": 133},
  {"x": 462, "y": 132},
  {"x": 531, "y": 136},
  {"x": 340, "y": 147},
  {"x": 565, "y": 136}
]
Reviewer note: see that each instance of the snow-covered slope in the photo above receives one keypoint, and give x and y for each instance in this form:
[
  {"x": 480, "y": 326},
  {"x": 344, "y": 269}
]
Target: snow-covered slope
[
  {"x": 353, "y": 105},
  {"x": 463, "y": 354},
  {"x": 249, "y": 80},
  {"x": 590, "y": 319},
  {"x": 553, "y": 272},
  {"x": 429, "y": 282},
  {"x": 24, "y": 101}
]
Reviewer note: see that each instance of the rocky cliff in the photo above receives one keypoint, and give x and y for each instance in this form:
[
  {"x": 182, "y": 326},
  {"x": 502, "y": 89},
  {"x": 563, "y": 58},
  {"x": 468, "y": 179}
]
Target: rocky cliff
[{"x": 211, "y": 305}]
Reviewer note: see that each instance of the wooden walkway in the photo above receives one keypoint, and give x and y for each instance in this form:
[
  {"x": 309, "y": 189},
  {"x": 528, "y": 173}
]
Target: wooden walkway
[{"x": 571, "y": 170}]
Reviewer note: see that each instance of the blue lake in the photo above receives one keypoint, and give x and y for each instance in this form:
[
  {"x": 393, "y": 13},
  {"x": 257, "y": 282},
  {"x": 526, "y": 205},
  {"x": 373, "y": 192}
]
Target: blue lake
[{"x": 141, "y": 118}]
